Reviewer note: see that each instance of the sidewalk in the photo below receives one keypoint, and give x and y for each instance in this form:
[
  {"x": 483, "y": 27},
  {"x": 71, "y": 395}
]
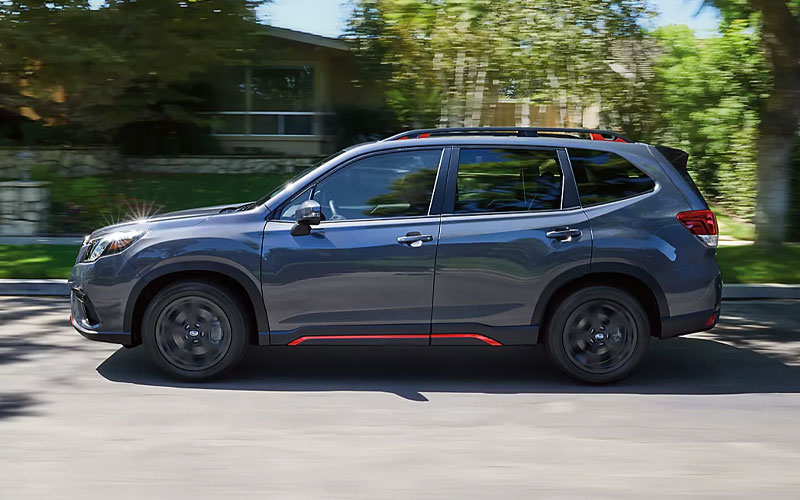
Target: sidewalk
[
  {"x": 41, "y": 240},
  {"x": 56, "y": 288}
]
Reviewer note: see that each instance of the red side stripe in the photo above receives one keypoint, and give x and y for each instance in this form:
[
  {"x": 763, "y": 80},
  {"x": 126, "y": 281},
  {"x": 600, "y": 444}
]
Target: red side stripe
[
  {"x": 352, "y": 337},
  {"x": 482, "y": 338},
  {"x": 476, "y": 336}
]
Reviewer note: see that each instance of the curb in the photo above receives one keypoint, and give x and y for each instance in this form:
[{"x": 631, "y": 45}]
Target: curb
[
  {"x": 33, "y": 288},
  {"x": 41, "y": 240},
  {"x": 762, "y": 291},
  {"x": 59, "y": 288}
]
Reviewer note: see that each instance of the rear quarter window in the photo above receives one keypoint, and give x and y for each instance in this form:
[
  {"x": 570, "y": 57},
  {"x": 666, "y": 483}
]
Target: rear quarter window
[{"x": 603, "y": 177}]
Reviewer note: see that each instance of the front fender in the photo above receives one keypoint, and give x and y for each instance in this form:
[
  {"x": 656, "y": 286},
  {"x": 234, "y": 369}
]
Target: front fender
[{"x": 232, "y": 270}]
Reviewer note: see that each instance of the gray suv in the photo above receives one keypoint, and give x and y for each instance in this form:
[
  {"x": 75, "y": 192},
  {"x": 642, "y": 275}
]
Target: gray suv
[{"x": 576, "y": 239}]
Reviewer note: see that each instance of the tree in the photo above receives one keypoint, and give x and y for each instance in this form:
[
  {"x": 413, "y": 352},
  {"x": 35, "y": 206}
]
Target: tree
[
  {"x": 444, "y": 60},
  {"x": 126, "y": 61},
  {"x": 701, "y": 95},
  {"x": 780, "y": 112}
]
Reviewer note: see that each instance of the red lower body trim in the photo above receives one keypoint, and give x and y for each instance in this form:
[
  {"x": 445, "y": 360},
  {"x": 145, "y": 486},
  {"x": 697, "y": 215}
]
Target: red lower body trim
[
  {"x": 482, "y": 338},
  {"x": 354, "y": 337}
]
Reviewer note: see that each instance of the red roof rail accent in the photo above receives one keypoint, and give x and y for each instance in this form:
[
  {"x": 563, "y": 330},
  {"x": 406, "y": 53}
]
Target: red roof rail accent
[{"x": 560, "y": 133}]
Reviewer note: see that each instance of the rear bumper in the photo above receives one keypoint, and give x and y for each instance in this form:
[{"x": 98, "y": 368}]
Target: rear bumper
[
  {"x": 689, "y": 323},
  {"x": 700, "y": 321}
]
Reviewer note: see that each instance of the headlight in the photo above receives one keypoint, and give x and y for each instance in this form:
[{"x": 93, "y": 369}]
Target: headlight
[{"x": 111, "y": 243}]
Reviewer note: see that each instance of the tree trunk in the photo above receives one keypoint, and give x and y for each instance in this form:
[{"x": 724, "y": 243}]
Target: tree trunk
[{"x": 779, "y": 122}]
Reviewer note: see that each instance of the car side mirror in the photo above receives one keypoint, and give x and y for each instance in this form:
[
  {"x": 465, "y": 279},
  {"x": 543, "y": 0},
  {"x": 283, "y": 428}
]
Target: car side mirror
[{"x": 308, "y": 214}]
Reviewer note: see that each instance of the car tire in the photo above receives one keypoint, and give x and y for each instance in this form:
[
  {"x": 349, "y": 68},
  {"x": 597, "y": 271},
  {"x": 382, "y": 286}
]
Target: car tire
[
  {"x": 598, "y": 334},
  {"x": 195, "y": 330}
]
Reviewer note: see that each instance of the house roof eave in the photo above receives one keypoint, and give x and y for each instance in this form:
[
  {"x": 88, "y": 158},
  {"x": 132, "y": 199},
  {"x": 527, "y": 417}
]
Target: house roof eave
[{"x": 308, "y": 38}]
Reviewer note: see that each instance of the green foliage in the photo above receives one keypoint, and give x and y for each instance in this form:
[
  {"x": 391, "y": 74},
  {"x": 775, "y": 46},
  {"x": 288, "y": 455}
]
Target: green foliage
[
  {"x": 80, "y": 205},
  {"x": 166, "y": 138},
  {"x": 355, "y": 124},
  {"x": 749, "y": 264},
  {"x": 444, "y": 61},
  {"x": 794, "y": 209},
  {"x": 127, "y": 61},
  {"x": 37, "y": 261},
  {"x": 733, "y": 227},
  {"x": 703, "y": 96}
]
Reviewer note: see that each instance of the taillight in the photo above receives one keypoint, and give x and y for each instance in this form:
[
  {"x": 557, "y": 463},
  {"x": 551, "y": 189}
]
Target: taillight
[{"x": 703, "y": 224}]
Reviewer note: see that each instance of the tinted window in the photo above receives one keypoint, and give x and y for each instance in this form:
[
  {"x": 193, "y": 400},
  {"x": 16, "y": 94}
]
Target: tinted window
[
  {"x": 603, "y": 177},
  {"x": 388, "y": 185},
  {"x": 507, "y": 180}
]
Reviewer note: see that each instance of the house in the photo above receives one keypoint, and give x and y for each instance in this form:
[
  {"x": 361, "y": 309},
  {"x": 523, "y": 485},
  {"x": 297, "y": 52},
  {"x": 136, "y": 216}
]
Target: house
[{"x": 287, "y": 106}]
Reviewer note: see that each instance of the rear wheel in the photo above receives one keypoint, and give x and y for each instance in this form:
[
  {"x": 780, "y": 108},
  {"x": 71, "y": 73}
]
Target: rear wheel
[
  {"x": 598, "y": 334},
  {"x": 195, "y": 330}
]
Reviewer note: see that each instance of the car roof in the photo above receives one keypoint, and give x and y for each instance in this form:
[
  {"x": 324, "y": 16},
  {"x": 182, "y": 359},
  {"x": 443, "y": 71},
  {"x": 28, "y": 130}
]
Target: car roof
[{"x": 495, "y": 141}]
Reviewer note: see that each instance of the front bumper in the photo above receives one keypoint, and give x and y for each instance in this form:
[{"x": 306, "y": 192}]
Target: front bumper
[
  {"x": 82, "y": 317},
  {"x": 99, "y": 294}
]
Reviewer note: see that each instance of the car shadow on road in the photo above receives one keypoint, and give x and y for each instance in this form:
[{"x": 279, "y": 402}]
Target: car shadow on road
[{"x": 678, "y": 366}]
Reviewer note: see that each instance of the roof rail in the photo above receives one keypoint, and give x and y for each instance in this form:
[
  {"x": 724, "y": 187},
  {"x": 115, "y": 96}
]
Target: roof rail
[{"x": 563, "y": 133}]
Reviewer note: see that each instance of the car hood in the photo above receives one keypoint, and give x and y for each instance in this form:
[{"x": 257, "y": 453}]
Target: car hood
[{"x": 183, "y": 217}]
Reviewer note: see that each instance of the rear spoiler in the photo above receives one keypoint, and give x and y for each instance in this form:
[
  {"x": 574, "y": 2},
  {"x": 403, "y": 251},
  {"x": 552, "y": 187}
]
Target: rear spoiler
[{"x": 679, "y": 159}]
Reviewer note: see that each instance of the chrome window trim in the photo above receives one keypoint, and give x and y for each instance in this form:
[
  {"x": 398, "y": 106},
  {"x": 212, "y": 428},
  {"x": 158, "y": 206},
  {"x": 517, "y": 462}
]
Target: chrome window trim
[
  {"x": 651, "y": 192},
  {"x": 537, "y": 213}
]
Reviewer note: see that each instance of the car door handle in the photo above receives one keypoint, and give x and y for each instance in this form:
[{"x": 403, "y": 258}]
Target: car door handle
[
  {"x": 564, "y": 234},
  {"x": 414, "y": 239}
]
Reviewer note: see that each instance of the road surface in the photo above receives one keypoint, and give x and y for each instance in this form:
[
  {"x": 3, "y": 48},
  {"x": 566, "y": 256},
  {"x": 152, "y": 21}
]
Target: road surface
[{"x": 713, "y": 415}]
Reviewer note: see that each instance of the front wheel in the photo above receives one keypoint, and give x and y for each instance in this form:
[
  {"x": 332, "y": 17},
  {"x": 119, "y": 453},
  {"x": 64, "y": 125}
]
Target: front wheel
[
  {"x": 598, "y": 334},
  {"x": 195, "y": 330}
]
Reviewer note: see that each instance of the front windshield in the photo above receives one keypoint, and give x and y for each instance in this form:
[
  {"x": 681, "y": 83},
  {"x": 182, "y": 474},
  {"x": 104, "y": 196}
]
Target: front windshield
[{"x": 296, "y": 177}]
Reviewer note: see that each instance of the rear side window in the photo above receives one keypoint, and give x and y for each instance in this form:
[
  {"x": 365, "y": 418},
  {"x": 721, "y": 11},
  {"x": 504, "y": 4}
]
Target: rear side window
[
  {"x": 603, "y": 177},
  {"x": 507, "y": 180}
]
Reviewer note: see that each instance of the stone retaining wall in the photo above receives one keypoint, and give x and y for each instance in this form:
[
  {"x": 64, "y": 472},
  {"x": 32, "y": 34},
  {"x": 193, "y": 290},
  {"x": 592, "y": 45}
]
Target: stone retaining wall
[
  {"x": 69, "y": 162},
  {"x": 218, "y": 164},
  {"x": 73, "y": 162}
]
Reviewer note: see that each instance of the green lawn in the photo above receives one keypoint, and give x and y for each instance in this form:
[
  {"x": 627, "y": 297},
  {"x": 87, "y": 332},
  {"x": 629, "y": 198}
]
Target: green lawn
[
  {"x": 745, "y": 264},
  {"x": 82, "y": 204},
  {"x": 740, "y": 264},
  {"x": 734, "y": 227},
  {"x": 36, "y": 261}
]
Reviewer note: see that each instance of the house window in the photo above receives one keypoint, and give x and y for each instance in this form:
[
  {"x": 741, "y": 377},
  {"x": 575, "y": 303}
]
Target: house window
[{"x": 264, "y": 101}]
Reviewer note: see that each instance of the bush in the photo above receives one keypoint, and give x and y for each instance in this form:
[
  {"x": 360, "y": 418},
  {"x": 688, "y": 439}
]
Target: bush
[
  {"x": 166, "y": 138},
  {"x": 354, "y": 125},
  {"x": 794, "y": 199}
]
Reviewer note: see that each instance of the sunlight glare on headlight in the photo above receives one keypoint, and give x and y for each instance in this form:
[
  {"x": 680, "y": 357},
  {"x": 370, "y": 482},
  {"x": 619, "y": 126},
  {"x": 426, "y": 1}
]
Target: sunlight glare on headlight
[{"x": 112, "y": 243}]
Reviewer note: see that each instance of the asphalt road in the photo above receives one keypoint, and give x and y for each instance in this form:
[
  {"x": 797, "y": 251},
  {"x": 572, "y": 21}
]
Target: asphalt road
[{"x": 715, "y": 415}]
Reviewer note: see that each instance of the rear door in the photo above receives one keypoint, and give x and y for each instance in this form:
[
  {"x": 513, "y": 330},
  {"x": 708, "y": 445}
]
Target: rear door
[
  {"x": 511, "y": 225},
  {"x": 365, "y": 274}
]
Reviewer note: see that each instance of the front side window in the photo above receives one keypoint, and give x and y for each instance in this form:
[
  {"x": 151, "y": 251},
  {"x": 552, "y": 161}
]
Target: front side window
[
  {"x": 507, "y": 180},
  {"x": 389, "y": 185},
  {"x": 603, "y": 177}
]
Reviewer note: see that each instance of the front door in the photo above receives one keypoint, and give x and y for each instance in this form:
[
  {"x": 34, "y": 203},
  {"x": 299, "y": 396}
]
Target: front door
[
  {"x": 510, "y": 226},
  {"x": 365, "y": 274}
]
